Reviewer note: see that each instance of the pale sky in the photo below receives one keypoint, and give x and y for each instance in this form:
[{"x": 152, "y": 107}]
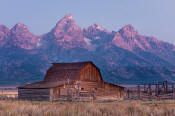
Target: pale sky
[{"x": 149, "y": 17}]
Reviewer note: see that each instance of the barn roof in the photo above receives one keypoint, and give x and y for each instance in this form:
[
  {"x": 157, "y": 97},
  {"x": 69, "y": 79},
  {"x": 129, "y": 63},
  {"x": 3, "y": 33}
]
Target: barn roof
[
  {"x": 65, "y": 71},
  {"x": 113, "y": 84},
  {"x": 43, "y": 85},
  {"x": 58, "y": 74}
]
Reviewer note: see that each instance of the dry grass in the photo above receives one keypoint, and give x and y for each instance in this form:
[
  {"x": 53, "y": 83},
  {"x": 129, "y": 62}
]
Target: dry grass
[{"x": 122, "y": 108}]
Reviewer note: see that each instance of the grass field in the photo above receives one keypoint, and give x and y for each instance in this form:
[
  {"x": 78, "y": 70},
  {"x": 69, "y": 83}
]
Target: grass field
[{"x": 120, "y": 108}]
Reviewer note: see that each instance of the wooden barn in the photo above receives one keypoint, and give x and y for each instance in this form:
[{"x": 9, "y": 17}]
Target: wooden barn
[{"x": 71, "y": 81}]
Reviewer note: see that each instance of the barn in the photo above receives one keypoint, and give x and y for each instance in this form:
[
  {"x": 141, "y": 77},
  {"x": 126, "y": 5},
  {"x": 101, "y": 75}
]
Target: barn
[{"x": 71, "y": 81}]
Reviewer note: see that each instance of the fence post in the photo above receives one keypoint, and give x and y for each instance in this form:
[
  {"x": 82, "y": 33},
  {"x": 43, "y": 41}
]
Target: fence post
[
  {"x": 150, "y": 91},
  {"x": 164, "y": 89},
  {"x": 78, "y": 89},
  {"x": 144, "y": 87},
  {"x": 158, "y": 87},
  {"x": 156, "y": 90},
  {"x": 173, "y": 90},
  {"x": 128, "y": 94},
  {"x": 166, "y": 86},
  {"x": 68, "y": 91},
  {"x": 138, "y": 91}
]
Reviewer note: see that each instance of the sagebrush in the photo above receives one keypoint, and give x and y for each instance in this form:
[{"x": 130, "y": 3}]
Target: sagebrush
[{"x": 120, "y": 108}]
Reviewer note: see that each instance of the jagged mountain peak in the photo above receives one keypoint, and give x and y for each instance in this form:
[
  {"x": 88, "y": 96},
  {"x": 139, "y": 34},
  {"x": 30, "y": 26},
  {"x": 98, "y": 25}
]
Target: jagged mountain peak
[
  {"x": 67, "y": 34},
  {"x": 128, "y": 27},
  {"x": 4, "y": 34},
  {"x": 66, "y": 25},
  {"x": 66, "y": 20},
  {"x": 68, "y": 16},
  {"x": 23, "y": 38},
  {"x": 128, "y": 38},
  {"x": 96, "y": 26},
  {"x": 20, "y": 28},
  {"x": 3, "y": 28},
  {"x": 93, "y": 28},
  {"x": 128, "y": 31},
  {"x": 20, "y": 25}
]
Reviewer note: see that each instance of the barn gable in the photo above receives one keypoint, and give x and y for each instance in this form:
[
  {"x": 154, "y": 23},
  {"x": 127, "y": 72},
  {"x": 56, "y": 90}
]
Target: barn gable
[
  {"x": 65, "y": 71},
  {"x": 90, "y": 73}
]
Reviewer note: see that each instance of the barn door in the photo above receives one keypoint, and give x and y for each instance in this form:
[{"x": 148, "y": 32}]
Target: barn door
[{"x": 56, "y": 93}]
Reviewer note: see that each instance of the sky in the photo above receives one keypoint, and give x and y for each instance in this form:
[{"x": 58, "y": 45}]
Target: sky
[{"x": 149, "y": 17}]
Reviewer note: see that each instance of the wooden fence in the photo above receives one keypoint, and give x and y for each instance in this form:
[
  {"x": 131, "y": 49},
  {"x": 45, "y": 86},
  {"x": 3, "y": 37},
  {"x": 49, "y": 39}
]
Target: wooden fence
[{"x": 159, "y": 90}]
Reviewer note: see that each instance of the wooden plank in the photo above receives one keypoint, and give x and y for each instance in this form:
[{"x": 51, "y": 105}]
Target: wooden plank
[{"x": 34, "y": 94}]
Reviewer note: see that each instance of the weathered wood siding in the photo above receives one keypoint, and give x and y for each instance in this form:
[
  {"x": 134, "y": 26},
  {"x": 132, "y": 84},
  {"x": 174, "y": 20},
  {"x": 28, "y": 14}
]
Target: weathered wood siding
[
  {"x": 100, "y": 89},
  {"x": 111, "y": 90},
  {"x": 57, "y": 92},
  {"x": 89, "y": 86},
  {"x": 90, "y": 73},
  {"x": 34, "y": 94},
  {"x": 62, "y": 91}
]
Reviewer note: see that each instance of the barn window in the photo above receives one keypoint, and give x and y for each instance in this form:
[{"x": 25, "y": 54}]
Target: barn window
[{"x": 82, "y": 88}]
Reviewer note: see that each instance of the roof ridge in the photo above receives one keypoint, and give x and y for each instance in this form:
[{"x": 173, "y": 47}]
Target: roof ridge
[{"x": 72, "y": 62}]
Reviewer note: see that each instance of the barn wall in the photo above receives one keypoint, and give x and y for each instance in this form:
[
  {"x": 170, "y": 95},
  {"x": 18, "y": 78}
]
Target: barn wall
[
  {"x": 57, "y": 92},
  {"x": 102, "y": 89},
  {"x": 62, "y": 91},
  {"x": 84, "y": 86},
  {"x": 113, "y": 90},
  {"x": 89, "y": 86},
  {"x": 34, "y": 94},
  {"x": 90, "y": 73},
  {"x": 99, "y": 88}
]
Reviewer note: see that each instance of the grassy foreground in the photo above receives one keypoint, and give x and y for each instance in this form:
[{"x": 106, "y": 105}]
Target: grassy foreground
[{"x": 122, "y": 108}]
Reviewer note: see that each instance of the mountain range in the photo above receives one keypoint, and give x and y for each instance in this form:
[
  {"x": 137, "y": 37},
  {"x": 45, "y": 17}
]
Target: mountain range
[{"x": 124, "y": 56}]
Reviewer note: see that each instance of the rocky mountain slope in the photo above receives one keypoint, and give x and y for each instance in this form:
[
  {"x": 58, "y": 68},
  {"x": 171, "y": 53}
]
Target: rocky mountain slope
[{"x": 123, "y": 56}]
